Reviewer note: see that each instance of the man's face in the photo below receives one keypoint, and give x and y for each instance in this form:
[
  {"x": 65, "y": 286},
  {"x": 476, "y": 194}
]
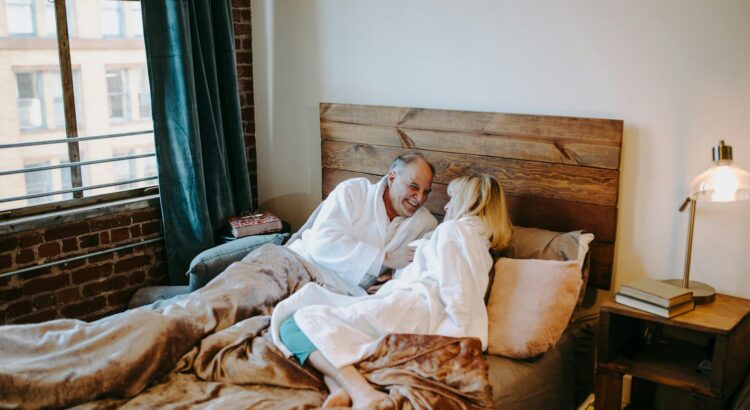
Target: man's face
[{"x": 408, "y": 189}]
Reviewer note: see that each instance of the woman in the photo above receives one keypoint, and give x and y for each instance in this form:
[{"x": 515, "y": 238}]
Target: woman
[{"x": 441, "y": 293}]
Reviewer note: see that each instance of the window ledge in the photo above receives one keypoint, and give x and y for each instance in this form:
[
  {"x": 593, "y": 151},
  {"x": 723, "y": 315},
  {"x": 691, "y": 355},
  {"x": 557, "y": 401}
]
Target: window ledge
[{"x": 77, "y": 214}]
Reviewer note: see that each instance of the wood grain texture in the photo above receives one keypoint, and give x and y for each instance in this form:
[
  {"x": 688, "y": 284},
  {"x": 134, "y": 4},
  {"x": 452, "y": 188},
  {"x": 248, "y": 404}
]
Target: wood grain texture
[
  {"x": 565, "y": 140},
  {"x": 558, "y": 181}
]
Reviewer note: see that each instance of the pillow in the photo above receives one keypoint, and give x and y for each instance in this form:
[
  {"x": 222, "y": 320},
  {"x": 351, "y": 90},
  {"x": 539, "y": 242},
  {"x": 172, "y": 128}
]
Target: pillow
[
  {"x": 534, "y": 243},
  {"x": 211, "y": 262},
  {"x": 530, "y": 304}
]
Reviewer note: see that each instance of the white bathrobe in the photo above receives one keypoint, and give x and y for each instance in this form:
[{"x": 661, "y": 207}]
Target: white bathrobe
[
  {"x": 440, "y": 293},
  {"x": 352, "y": 233}
]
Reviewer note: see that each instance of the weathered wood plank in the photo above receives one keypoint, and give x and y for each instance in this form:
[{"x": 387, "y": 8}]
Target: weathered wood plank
[
  {"x": 566, "y": 140},
  {"x": 602, "y": 260},
  {"x": 552, "y": 214},
  {"x": 558, "y": 181}
]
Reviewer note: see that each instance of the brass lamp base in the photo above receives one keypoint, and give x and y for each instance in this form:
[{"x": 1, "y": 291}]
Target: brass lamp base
[{"x": 702, "y": 293}]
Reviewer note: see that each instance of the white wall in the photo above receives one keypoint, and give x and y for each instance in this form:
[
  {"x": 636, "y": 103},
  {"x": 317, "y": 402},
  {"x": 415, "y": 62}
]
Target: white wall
[{"x": 677, "y": 72}]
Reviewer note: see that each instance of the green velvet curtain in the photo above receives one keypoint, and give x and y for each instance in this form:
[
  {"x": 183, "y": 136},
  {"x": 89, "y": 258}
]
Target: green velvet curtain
[{"x": 203, "y": 177}]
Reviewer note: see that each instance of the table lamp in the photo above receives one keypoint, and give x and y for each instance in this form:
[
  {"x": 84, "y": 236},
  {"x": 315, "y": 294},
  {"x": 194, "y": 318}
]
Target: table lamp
[{"x": 721, "y": 182}]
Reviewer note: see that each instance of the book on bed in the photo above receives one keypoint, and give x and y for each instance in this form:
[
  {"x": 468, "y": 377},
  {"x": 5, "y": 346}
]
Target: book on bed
[{"x": 256, "y": 223}]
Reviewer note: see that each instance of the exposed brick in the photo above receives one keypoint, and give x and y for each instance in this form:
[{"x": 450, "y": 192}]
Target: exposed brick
[
  {"x": 30, "y": 239},
  {"x": 22, "y": 307},
  {"x": 48, "y": 250},
  {"x": 69, "y": 245},
  {"x": 8, "y": 244},
  {"x": 109, "y": 222},
  {"x": 119, "y": 234},
  {"x": 135, "y": 231},
  {"x": 37, "y": 317},
  {"x": 45, "y": 284},
  {"x": 74, "y": 264},
  {"x": 88, "y": 241},
  {"x": 149, "y": 214},
  {"x": 67, "y": 230},
  {"x": 107, "y": 285},
  {"x": 6, "y": 261},
  {"x": 120, "y": 298},
  {"x": 84, "y": 308},
  {"x": 104, "y": 237},
  {"x": 136, "y": 278},
  {"x": 37, "y": 273},
  {"x": 4, "y": 280},
  {"x": 8, "y": 295},
  {"x": 68, "y": 296},
  {"x": 90, "y": 273},
  {"x": 134, "y": 262},
  {"x": 44, "y": 301},
  {"x": 151, "y": 228},
  {"x": 25, "y": 256},
  {"x": 245, "y": 15}
]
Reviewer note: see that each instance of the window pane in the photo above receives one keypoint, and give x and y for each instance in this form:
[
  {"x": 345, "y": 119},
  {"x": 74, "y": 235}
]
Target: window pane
[
  {"x": 20, "y": 17},
  {"x": 50, "y": 21},
  {"x": 38, "y": 182},
  {"x": 136, "y": 20},
  {"x": 30, "y": 100},
  {"x": 112, "y": 18}
]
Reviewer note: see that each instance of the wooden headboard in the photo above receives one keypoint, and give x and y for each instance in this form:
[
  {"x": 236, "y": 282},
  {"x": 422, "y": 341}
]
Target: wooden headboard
[{"x": 559, "y": 173}]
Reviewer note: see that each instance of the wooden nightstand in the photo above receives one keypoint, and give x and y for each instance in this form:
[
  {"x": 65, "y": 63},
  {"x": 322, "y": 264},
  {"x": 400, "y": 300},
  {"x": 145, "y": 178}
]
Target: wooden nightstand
[{"x": 655, "y": 350}]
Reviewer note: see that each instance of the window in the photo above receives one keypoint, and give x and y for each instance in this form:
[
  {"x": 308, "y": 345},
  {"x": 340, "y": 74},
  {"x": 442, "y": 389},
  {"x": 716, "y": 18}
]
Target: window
[
  {"x": 144, "y": 95},
  {"x": 125, "y": 170},
  {"x": 136, "y": 20},
  {"x": 118, "y": 95},
  {"x": 112, "y": 18},
  {"x": 30, "y": 100},
  {"x": 20, "y": 17},
  {"x": 107, "y": 88},
  {"x": 38, "y": 182}
]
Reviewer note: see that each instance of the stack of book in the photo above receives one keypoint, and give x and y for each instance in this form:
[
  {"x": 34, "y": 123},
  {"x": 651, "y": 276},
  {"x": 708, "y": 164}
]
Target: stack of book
[
  {"x": 656, "y": 297},
  {"x": 254, "y": 224}
]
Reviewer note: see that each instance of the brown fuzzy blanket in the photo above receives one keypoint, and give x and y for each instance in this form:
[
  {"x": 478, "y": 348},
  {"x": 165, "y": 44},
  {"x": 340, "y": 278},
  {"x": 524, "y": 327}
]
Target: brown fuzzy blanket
[{"x": 210, "y": 349}]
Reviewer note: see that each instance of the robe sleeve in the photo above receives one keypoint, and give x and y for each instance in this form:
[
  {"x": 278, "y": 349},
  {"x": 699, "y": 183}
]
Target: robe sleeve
[
  {"x": 463, "y": 278},
  {"x": 330, "y": 241}
]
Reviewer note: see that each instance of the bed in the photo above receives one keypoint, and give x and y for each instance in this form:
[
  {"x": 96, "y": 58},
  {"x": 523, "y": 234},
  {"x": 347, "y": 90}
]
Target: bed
[{"x": 209, "y": 348}]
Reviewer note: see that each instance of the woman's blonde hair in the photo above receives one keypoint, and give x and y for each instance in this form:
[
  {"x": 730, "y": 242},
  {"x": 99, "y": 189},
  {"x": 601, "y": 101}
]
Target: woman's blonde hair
[{"x": 482, "y": 195}]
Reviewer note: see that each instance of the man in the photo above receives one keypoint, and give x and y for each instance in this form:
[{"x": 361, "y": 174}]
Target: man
[{"x": 362, "y": 229}]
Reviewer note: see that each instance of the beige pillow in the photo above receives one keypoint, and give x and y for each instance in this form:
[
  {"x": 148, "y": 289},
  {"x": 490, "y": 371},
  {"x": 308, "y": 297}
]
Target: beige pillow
[{"x": 530, "y": 304}]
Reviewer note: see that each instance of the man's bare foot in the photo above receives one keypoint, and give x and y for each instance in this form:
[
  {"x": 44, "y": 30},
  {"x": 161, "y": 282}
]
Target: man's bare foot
[
  {"x": 372, "y": 399},
  {"x": 338, "y": 396}
]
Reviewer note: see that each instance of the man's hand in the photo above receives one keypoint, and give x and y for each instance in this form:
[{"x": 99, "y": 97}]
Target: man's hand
[{"x": 399, "y": 258}]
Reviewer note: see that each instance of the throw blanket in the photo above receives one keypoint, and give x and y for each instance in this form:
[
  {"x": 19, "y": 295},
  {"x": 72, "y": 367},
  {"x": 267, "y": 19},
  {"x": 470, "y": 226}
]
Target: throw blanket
[{"x": 210, "y": 349}]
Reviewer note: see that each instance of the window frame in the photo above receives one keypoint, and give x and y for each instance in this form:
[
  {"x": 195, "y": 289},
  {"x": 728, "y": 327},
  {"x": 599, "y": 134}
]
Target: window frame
[{"x": 147, "y": 193}]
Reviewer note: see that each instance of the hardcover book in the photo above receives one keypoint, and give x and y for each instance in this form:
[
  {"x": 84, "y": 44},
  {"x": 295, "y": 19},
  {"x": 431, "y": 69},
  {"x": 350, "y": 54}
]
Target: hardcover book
[
  {"x": 656, "y": 292},
  {"x": 651, "y": 308},
  {"x": 254, "y": 224}
]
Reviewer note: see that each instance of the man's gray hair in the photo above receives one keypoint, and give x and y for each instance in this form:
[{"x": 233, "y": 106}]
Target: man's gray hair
[{"x": 401, "y": 161}]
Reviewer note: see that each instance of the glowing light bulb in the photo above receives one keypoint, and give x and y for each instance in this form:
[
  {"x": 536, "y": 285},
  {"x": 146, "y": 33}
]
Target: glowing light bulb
[{"x": 725, "y": 184}]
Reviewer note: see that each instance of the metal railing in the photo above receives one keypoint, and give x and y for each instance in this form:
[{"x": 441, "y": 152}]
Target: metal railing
[{"x": 75, "y": 164}]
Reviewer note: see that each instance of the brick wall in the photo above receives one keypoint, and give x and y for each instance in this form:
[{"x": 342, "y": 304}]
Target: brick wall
[
  {"x": 86, "y": 289},
  {"x": 243, "y": 43},
  {"x": 99, "y": 286}
]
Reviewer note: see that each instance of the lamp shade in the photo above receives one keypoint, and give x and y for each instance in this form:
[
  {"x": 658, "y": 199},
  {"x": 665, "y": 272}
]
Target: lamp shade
[{"x": 722, "y": 181}]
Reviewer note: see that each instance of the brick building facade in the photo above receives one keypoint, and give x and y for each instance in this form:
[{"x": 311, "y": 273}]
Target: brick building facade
[{"x": 98, "y": 286}]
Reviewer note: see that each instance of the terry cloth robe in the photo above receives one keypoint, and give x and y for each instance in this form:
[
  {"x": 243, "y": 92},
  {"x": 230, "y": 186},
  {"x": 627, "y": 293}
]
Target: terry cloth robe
[
  {"x": 440, "y": 293},
  {"x": 352, "y": 233}
]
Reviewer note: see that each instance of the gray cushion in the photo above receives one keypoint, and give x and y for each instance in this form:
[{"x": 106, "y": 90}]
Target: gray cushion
[{"x": 211, "y": 262}]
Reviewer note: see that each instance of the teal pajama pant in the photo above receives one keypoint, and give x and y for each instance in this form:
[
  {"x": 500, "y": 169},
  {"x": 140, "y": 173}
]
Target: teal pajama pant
[{"x": 295, "y": 340}]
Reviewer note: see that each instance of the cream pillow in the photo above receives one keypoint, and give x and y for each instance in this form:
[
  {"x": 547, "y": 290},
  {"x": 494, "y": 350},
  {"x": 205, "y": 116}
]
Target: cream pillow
[{"x": 530, "y": 304}]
